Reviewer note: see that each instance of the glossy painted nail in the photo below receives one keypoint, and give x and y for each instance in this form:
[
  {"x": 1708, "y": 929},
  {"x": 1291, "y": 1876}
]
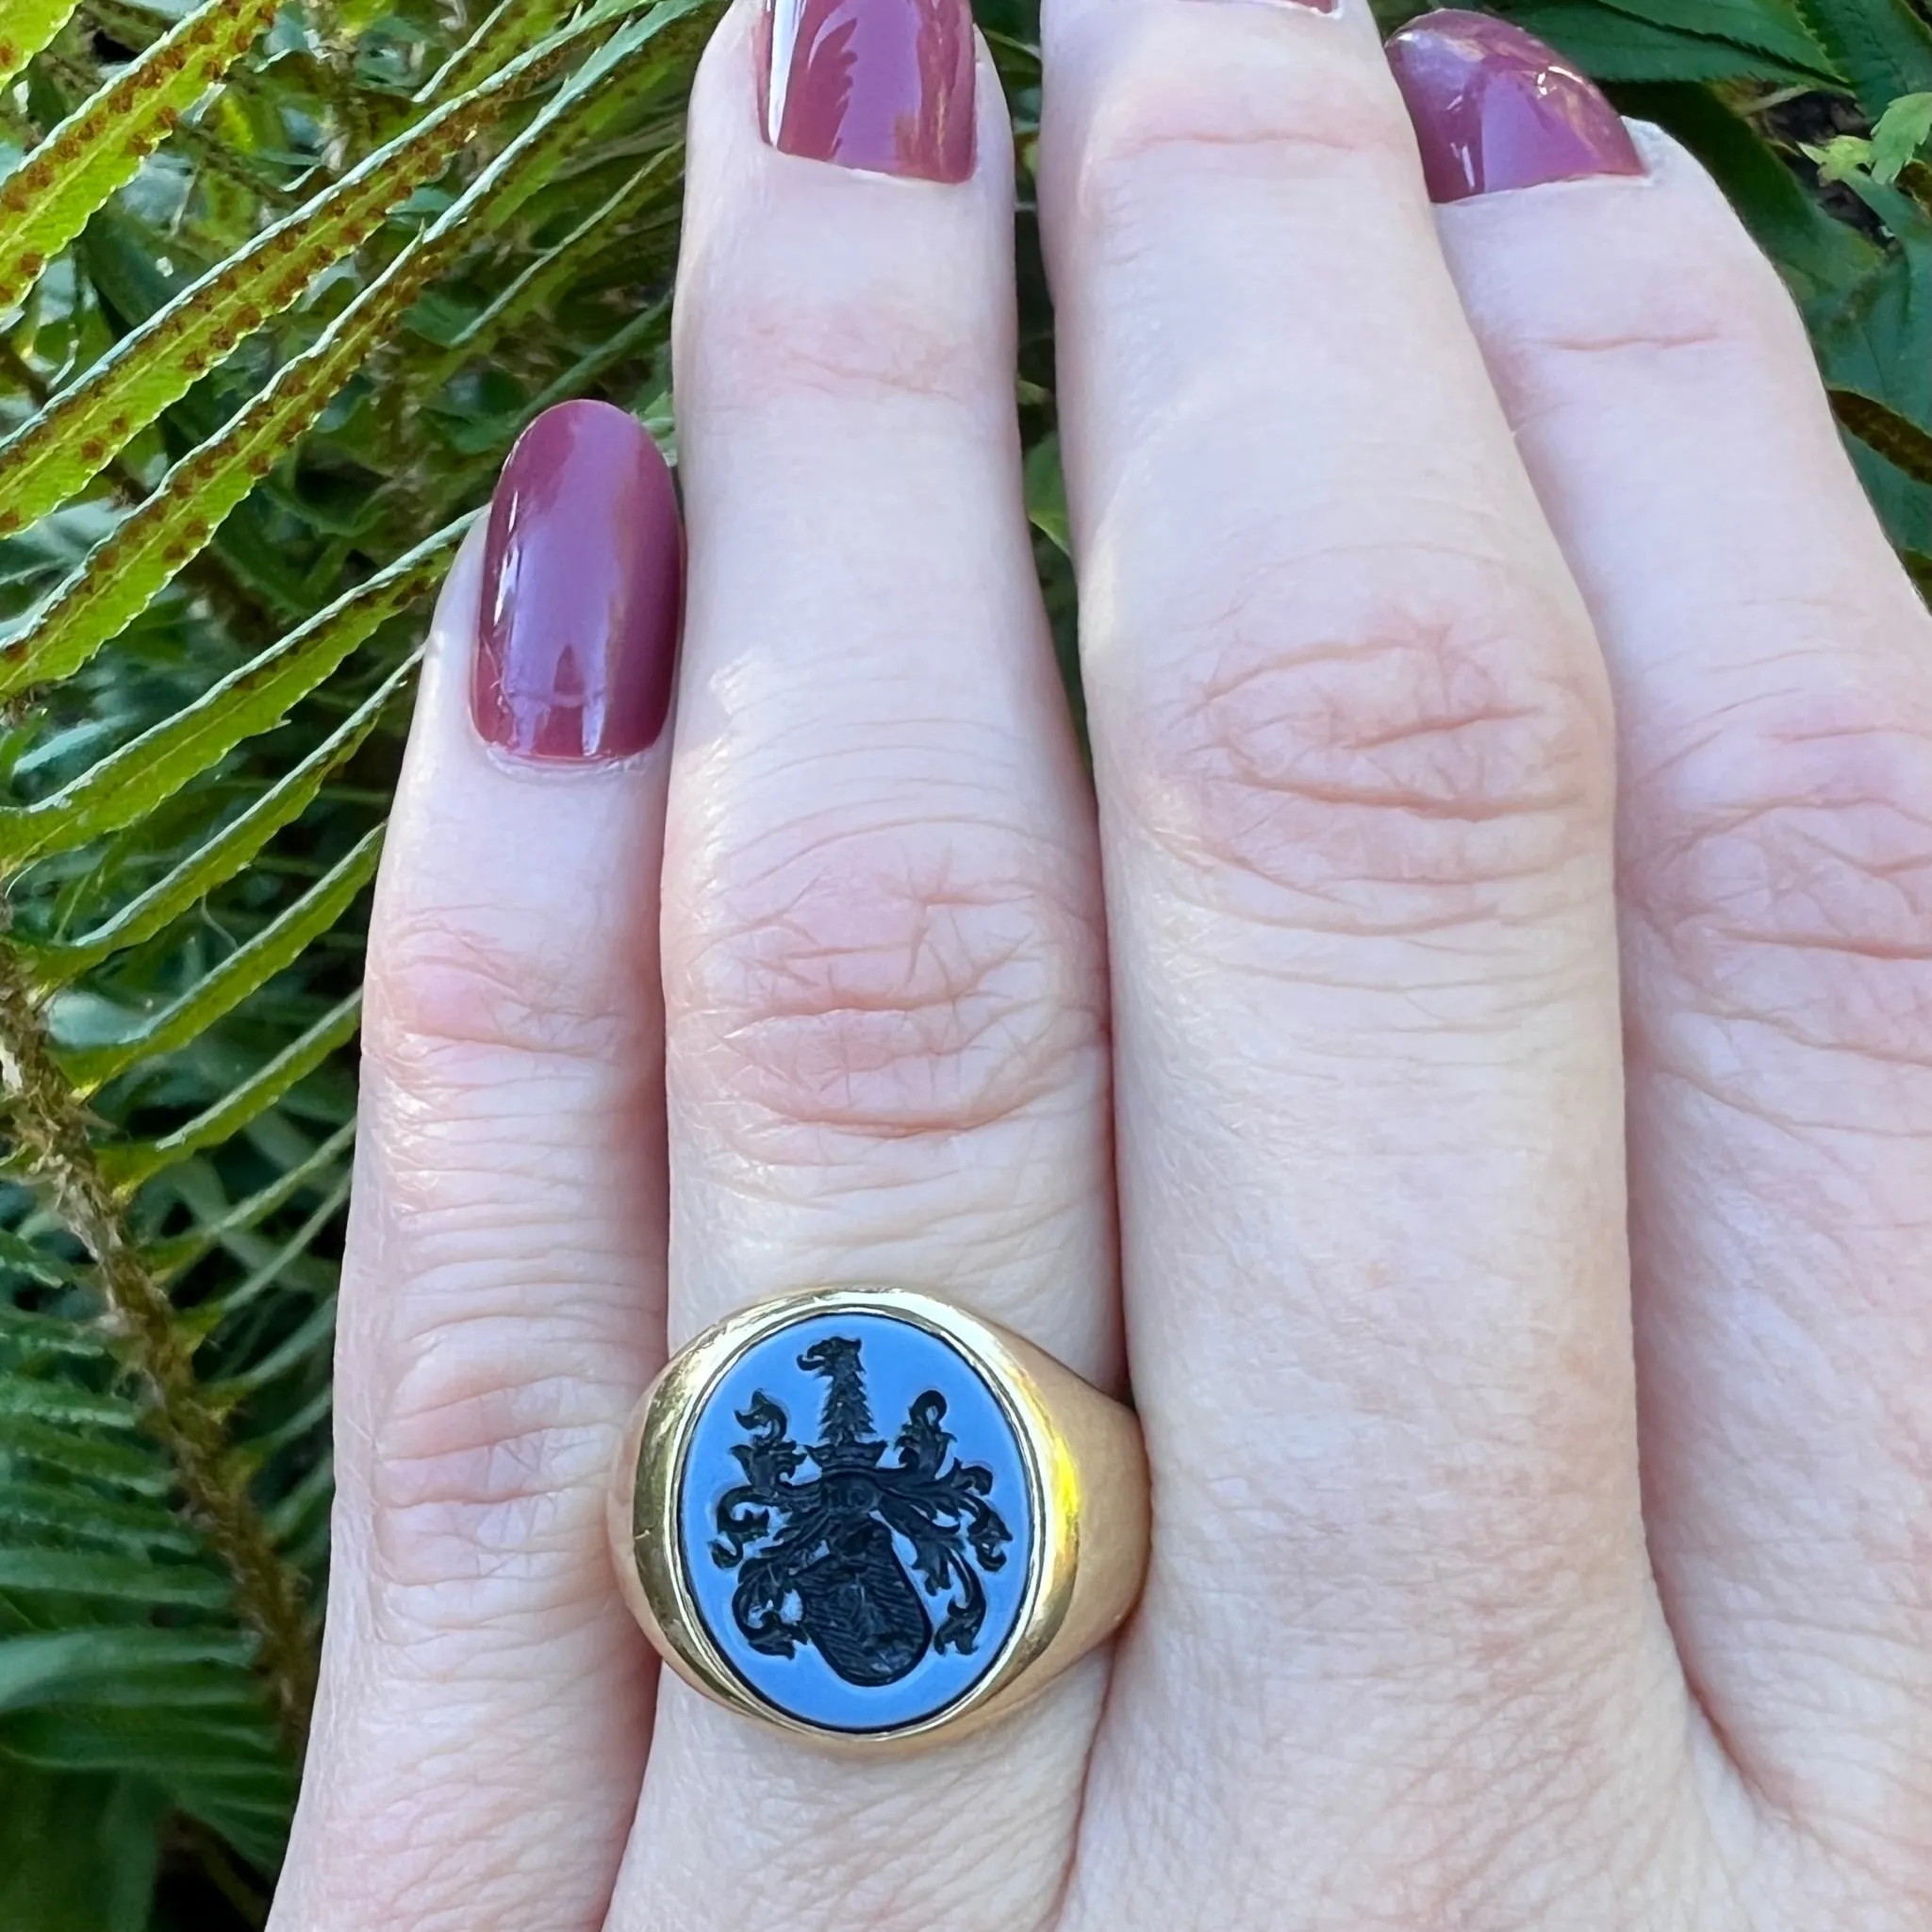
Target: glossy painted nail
[
  {"x": 582, "y": 575},
  {"x": 1495, "y": 108},
  {"x": 884, "y": 85}
]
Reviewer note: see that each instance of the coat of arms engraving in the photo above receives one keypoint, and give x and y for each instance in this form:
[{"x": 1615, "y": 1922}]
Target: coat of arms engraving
[{"x": 817, "y": 1553}]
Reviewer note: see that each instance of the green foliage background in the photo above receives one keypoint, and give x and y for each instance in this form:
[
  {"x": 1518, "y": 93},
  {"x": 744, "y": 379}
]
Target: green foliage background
[{"x": 280, "y": 281}]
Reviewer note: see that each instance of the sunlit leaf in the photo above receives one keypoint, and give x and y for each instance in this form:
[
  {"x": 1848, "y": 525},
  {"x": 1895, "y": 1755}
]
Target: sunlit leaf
[
  {"x": 1903, "y": 129},
  {"x": 26, "y": 28},
  {"x": 504, "y": 31},
  {"x": 59, "y": 964},
  {"x": 46, "y": 199},
  {"x": 125, "y": 573},
  {"x": 130, "y": 1163},
  {"x": 131, "y": 781},
  {"x": 278, "y": 946},
  {"x": 88, "y": 424}
]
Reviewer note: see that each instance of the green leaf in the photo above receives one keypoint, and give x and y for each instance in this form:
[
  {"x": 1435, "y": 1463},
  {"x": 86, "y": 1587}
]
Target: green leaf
[
  {"x": 129, "y": 568},
  {"x": 123, "y": 574},
  {"x": 61, "y": 1665},
  {"x": 183, "y": 1250},
  {"x": 313, "y": 1337},
  {"x": 20, "y": 1254},
  {"x": 1896, "y": 438},
  {"x": 130, "y": 23},
  {"x": 90, "y": 1573},
  {"x": 130, "y": 1163},
  {"x": 1842, "y": 158},
  {"x": 1903, "y": 129},
  {"x": 25, "y": 1332},
  {"x": 93, "y": 1518},
  {"x": 87, "y": 425},
  {"x": 508, "y": 27},
  {"x": 551, "y": 272},
  {"x": 77, "y": 1853},
  {"x": 46, "y": 200},
  {"x": 224, "y": 1772},
  {"x": 264, "y": 1278},
  {"x": 30, "y": 1398},
  {"x": 1881, "y": 46},
  {"x": 26, "y": 27},
  {"x": 1871, "y": 337},
  {"x": 1617, "y": 46},
  {"x": 128, "y": 783},
  {"x": 1046, "y": 493},
  {"x": 133, "y": 1466},
  {"x": 251, "y": 965},
  {"x": 226, "y": 854},
  {"x": 1766, "y": 26}
]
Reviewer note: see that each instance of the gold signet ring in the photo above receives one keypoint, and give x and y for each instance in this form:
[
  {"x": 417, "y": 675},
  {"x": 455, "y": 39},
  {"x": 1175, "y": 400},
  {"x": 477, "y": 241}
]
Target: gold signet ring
[{"x": 869, "y": 1518}]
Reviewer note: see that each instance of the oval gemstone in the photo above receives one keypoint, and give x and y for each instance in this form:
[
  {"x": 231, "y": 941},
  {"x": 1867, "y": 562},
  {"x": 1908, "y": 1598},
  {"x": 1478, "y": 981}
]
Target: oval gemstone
[{"x": 856, "y": 1521}]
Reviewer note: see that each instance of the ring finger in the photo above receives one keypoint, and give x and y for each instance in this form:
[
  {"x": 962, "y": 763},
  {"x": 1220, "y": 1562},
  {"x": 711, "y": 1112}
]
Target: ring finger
[
  {"x": 1353, "y": 750},
  {"x": 883, "y": 986}
]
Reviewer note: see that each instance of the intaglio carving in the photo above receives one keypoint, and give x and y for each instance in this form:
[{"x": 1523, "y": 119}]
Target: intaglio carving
[{"x": 815, "y": 1555}]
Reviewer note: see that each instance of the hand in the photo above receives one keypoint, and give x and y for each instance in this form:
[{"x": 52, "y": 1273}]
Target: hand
[{"x": 1512, "y": 742}]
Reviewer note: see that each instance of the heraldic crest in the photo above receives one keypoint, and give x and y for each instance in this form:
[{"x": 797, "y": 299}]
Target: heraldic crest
[{"x": 817, "y": 1554}]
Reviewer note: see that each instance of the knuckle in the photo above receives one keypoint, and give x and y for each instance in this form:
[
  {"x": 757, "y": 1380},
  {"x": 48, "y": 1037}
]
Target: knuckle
[
  {"x": 1697, "y": 308},
  {"x": 447, "y": 995},
  {"x": 487, "y": 1457},
  {"x": 851, "y": 329},
  {"x": 893, "y": 982},
  {"x": 1412, "y": 747},
  {"x": 1786, "y": 866},
  {"x": 1173, "y": 106}
]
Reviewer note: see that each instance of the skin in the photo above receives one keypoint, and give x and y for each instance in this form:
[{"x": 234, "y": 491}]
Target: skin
[{"x": 1513, "y": 752}]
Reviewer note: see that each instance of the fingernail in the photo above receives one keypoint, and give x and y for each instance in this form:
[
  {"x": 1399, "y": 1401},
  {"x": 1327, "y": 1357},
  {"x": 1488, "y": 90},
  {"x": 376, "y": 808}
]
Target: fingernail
[
  {"x": 885, "y": 85},
  {"x": 582, "y": 580},
  {"x": 1493, "y": 108}
]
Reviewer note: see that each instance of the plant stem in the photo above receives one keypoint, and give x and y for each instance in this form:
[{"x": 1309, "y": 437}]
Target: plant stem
[{"x": 49, "y": 1127}]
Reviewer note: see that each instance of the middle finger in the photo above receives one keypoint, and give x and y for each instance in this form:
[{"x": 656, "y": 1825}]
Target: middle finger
[{"x": 883, "y": 986}]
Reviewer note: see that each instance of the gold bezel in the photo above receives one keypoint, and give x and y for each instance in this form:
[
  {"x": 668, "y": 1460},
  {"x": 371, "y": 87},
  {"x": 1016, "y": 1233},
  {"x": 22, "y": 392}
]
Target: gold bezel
[{"x": 1070, "y": 1439}]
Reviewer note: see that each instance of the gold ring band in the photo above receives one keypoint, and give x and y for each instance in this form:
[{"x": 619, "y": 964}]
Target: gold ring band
[{"x": 871, "y": 1584}]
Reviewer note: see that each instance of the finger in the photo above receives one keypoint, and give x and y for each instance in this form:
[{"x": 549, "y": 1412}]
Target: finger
[
  {"x": 1774, "y": 679},
  {"x": 1354, "y": 757},
  {"x": 883, "y": 970},
  {"x": 485, "y": 1705}
]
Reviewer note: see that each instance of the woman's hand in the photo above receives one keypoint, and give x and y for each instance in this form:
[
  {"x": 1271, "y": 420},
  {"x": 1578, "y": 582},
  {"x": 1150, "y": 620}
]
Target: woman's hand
[{"x": 1513, "y": 741}]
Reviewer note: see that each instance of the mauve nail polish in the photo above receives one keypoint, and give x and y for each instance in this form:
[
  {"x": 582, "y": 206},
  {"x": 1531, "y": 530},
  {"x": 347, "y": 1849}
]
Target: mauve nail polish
[
  {"x": 885, "y": 85},
  {"x": 1493, "y": 108},
  {"x": 583, "y": 578}
]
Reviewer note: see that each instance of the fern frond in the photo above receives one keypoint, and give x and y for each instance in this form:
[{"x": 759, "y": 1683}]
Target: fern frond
[
  {"x": 45, "y": 200},
  {"x": 553, "y": 271},
  {"x": 75, "y": 1573},
  {"x": 50, "y": 1136},
  {"x": 128, "y": 1164},
  {"x": 130, "y": 567},
  {"x": 508, "y": 27},
  {"x": 58, "y": 963},
  {"x": 72, "y": 437},
  {"x": 172, "y": 1257},
  {"x": 28, "y": 26},
  {"x": 1769, "y": 26},
  {"x": 251, "y": 965},
  {"x": 132, "y": 781}
]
